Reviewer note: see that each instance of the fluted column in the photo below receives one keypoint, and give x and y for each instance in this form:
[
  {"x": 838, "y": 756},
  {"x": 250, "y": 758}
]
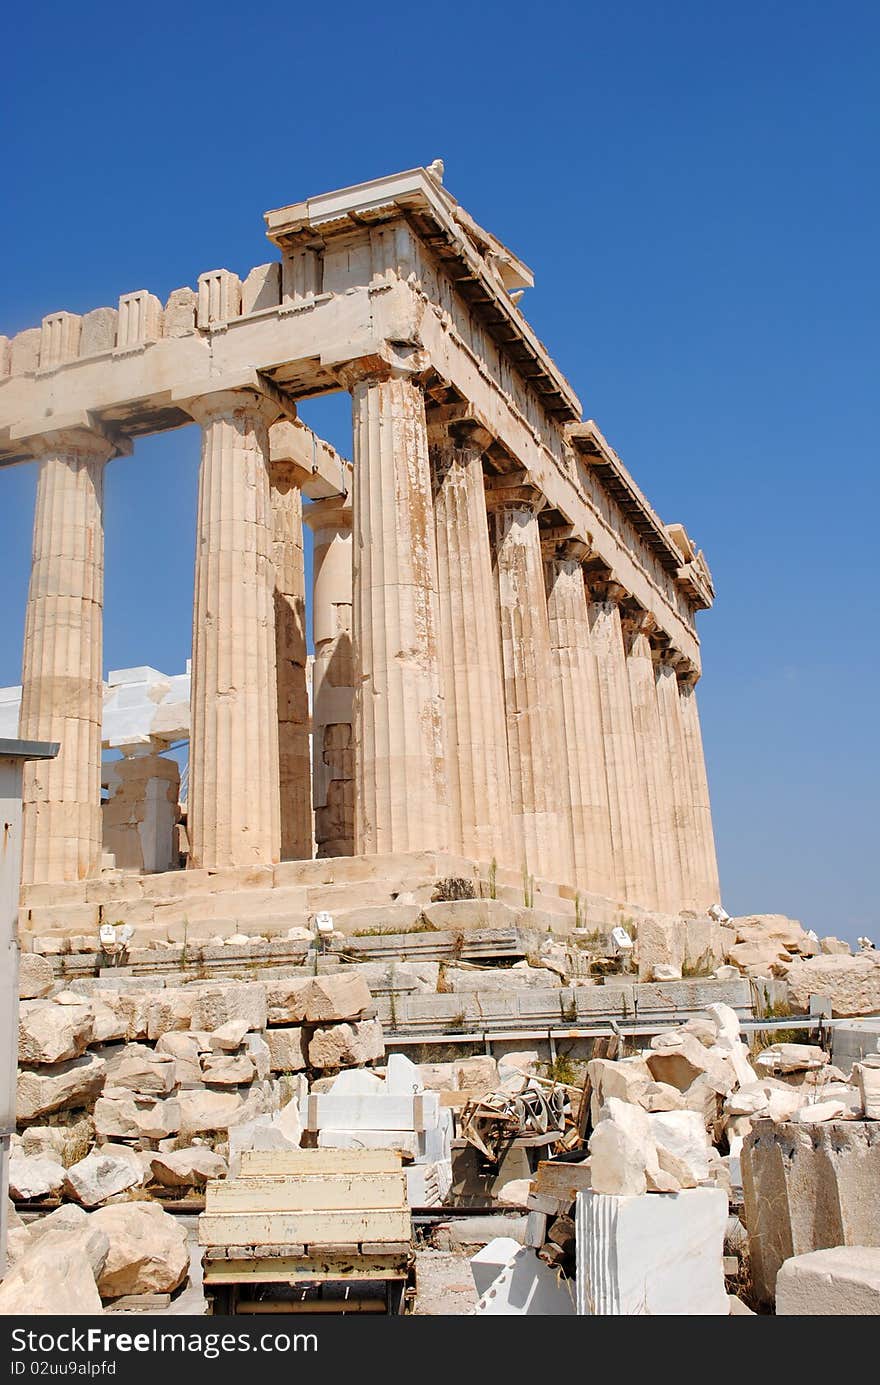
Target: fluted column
[
  {"x": 479, "y": 778},
  {"x": 533, "y": 731},
  {"x": 294, "y": 757},
  {"x": 333, "y": 676},
  {"x": 707, "y": 889},
  {"x": 672, "y": 733},
  {"x": 654, "y": 780},
  {"x": 62, "y": 665},
  {"x": 401, "y": 789},
  {"x": 234, "y": 796},
  {"x": 632, "y": 863},
  {"x": 576, "y": 686}
]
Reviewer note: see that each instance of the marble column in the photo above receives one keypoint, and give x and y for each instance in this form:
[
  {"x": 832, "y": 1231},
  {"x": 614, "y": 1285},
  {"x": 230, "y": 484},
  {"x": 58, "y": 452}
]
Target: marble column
[
  {"x": 672, "y": 734},
  {"x": 479, "y": 778},
  {"x": 294, "y": 756},
  {"x": 633, "y": 864},
  {"x": 708, "y": 890},
  {"x": 576, "y": 686},
  {"x": 234, "y": 797},
  {"x": 533, "y": 730},
  {"x": 333, "y": 678},
  {"x": 654, "y": 780},
  {"x": 62, "y": 687},
  {"x": 402, "y": 798}
]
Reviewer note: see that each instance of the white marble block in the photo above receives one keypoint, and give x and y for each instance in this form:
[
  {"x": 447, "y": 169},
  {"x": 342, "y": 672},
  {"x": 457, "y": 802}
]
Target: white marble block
[{"x": 655, "y": 1255}]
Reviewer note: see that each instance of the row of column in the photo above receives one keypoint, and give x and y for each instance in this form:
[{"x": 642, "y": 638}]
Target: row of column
[
  {"x": 502, "y": 708},
  {"x": 470, "y": 693}
]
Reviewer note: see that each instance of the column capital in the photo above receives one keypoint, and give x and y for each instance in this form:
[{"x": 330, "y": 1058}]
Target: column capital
[
  {"x": 461, "y": 423},
  {"x": 513, "y": 491},
  {"x": 224, "y": 402},
  {"x": 559, "y": 545},
  {"x": 334, "y": 512},
  {"x": 638, "y": 622},
  {"x": 81, "y": 438},
  {"x": 392, "y": 361},
  {"x": 606, "y": 588}
]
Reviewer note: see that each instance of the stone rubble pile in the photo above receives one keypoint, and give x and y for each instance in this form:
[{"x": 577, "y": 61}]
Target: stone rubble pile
[{"x": 129, "y": 1086}]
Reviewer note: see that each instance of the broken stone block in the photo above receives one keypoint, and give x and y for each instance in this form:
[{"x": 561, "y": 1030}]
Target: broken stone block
[
  {"x": 832, "y": 946},
  {"x": 338, "y": 997},
  {"x": 477, "y": 1074},
  {"x": 659, "y": 942},
  {"x": 229, "y": 1037},
  {"x": 679, "y": 1058},
  {"x": 67, "y": 1086},
  {"x": 808, "y": 1187},
  {"x": 107, "y": 1170},
  {"x": 843, "y": 1281},
  {"x": 346, "y": 1045},
  {"x": 852, "y": 984},
  {"x": 50, "y": 1033},
  {"x": 820, "y": 1111},
  {"x": 187, "y": 1168},
  {"x": 623, "y": 1155},
  {"x": 34, "y": 1177},
  {"x": 402, "y": 1077},
  {"x": 227, "y": 1070},
  {"x": 660, "y": 1096},
  {"x": 651, "y": 1255},
  {"x": 258, "y": 1051},
  {"x": 215, "y": 1005},
  {"x": 791, "y": 1058},
  {"x": 525, "y": 1287},
  {"x": 54, "y": 1277},
  {"x": 627, "y": 1079},
  {"x": 63, "y": 1144},
  {"x": 141, "y": 1070},
  {"x": 683, "y": 1134},
  {"x": 204, "y": 1112},
  {"x": 170, "y": 1010},
  {"x": 35, "y": 976},
  {"x": 148, "y": 1249},
  {"x": 286, "y": 1049}
]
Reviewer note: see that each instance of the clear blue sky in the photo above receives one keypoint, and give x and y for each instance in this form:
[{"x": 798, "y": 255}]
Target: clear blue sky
[{"x": 696, "y": 189}]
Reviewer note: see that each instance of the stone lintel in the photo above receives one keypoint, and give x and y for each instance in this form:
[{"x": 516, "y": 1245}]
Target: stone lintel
[{"x": 312, "y": 464}]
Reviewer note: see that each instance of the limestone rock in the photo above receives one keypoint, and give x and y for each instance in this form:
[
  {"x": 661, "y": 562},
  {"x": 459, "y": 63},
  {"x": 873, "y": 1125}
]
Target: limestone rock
[
  {"x": 852, "y": 984},
  {"x": 618, "y": 1160},
  {"x": 791, "y": 1058},
  {"x": 659, "y": 942},
  {"x": 204, "y": 1112},
  {"x": 54, "y": 1277},
  {"x": 144, "y": 1071},
  {"x": 185, "y": 1168},
  {"x": 834, "y": 947},
  {"x": 34, "y": 1177},
  {"x": 627, "y": 1078},
  {"x": 227, "y": 1070},
  {"x": 843, "y": 1281},
  {"x": 216, "y": 1005},
  {"x": 346, "y": 1045},
  {"x": 683, "y": 1134},
  {"x": 35, "y": 976},
  {"x": 477, "y": 1074},
  {"x": 678, "y": 1058},
  {"x": 148, "y": 1250},
  {"x": 63, "y": 1144},
  {"x": 229, "y": 1037},
  {"x": 67, "y": 1086},
  {"x": 286, "y": 1050},
  {"x": 50, "y": 1033},
  {"x": 660, "y": 1096},
  {"x": 107, "y": 1170}
]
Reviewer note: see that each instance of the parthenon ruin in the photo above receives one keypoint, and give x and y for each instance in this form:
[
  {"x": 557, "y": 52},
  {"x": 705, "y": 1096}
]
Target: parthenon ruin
[{"x": 506, "y": 658}]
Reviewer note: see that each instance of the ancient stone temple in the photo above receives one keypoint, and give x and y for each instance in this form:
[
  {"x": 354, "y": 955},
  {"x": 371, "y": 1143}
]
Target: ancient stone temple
[{"x": 506, "y": 660}]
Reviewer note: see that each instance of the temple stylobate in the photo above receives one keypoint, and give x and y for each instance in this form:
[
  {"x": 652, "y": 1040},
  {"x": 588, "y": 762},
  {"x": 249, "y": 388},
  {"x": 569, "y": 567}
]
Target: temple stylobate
[{"x": 506, "y": 658}]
